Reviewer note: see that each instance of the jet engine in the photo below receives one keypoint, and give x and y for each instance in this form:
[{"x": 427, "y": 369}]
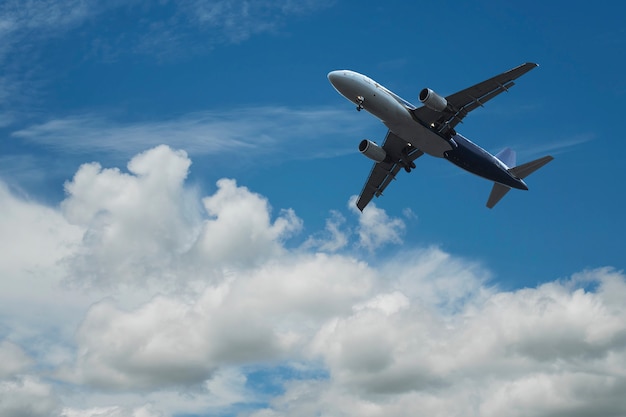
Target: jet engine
[
  {"x": 433, "y": 100},
  {"x": 372, "y": 150}
]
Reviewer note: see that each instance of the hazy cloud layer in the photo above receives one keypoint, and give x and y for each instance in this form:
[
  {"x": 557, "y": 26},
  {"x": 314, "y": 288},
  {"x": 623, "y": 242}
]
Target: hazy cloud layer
[
  {"x": 253, "y": 131},
  {"x": 176, "y": 30},
  {"x": 231, "y": 20},
  {"x": 140, "y": 297}
]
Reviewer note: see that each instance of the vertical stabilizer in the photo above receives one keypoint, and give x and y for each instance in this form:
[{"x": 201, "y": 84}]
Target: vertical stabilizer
[{"x": 507, "y": 156}]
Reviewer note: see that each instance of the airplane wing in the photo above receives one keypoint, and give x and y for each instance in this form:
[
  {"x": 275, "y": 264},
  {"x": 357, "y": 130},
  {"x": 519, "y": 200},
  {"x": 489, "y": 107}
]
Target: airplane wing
[
  {"x": 463, "y": 102},
  {"x": 384, "y": 172}
]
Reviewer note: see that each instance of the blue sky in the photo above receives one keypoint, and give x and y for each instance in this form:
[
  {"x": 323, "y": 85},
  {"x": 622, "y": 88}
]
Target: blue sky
[{"x": 256, "y": 177}]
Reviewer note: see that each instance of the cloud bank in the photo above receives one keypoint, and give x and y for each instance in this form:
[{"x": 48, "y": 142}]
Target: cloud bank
[{"x": 138, "y": 296}]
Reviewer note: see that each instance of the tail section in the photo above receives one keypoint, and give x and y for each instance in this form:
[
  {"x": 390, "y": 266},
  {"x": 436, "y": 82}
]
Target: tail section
[{"x": 521, "y": 171}]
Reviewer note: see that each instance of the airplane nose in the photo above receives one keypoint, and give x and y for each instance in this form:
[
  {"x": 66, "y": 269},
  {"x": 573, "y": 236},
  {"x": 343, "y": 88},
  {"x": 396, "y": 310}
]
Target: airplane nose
[
  {"x": 343, "y": 81},
  {"x": 334, "y": 76}
]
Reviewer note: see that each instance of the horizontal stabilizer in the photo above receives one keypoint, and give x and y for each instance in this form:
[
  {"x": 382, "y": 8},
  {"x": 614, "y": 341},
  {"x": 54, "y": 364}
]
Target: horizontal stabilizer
[
  {"x": 497, "y": 192},
  {"x": 528, "y": 168}
]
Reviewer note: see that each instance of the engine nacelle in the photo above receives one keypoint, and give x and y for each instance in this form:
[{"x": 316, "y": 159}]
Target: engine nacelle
[
  {"x": 372, "y": 150},
  {"x": 433, "y": 100}
]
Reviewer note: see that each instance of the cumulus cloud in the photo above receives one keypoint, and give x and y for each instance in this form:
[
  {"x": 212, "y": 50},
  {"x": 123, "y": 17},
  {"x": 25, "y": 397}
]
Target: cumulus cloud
[
  {"x": 266, "y": 314},
  {"x": 239, "y": 229},
  {"x": 136, "y": 223},
  {"x": 333, "y": 238},
  {"x": 39, "y": 235},
  {"x": 34, "y": 239},
  {"x": 185, "y": 296},
  {"x": 553, "y": 350},
  {"x": 376, "y": 228},
  {"x": 145, "y": 224},
  {"x": 27, "y": 396}
]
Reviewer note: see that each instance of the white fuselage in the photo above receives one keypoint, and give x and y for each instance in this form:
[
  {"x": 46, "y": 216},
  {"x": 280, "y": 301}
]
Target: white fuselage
[{"x": 391, "y": 109}]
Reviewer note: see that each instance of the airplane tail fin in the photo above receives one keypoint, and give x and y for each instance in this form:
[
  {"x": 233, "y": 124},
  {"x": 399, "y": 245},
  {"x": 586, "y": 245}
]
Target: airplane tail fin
[
  {"x": 507, "y": 156},
  {"x": 521, "y": 171}
]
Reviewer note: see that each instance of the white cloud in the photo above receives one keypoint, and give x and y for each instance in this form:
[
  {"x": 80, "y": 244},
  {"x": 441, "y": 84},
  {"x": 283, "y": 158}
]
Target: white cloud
[
  {"x": 254, "y": 316},
  {"x": 27, "y": 396},
  {"x": 530, "y": 351},
  {"x": 12, "y": 359},
  {"x": 146, "y": 225},
  {"x": 333, "y": 238},
  {"x": 199, "y": 291},
  {"x": 136, "y": 224},
  {"x": 376, "y": 228},
  {"x": 114, "y": 411},
  {"x": 33, "y": 241},
  {"x": 239, "y": 230},
  {"x": 46, "y": 240}
]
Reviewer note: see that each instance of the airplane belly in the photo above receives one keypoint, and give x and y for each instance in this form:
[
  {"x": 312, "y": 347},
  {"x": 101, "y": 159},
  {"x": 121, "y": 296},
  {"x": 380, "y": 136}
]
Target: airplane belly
[
  {"x": 381, "y": 103},
  {"x": 383, "y": 106},
  {"x": 420, "y": 137}
]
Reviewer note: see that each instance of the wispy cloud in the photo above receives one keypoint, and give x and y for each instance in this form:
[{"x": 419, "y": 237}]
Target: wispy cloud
[
  {"x": 28, "y": 20},
  {"x": 175, "y": 29},
  {"x": 249, "y": 131},
  {"x": 560, "y": 146},
  {"x": 235, "y": 20},
  {"x": 553, "y": 145},
  {"x": 23, "y": 23},
  {"x": 25, "y": 29},
  {"x": 192, "y": 27}
]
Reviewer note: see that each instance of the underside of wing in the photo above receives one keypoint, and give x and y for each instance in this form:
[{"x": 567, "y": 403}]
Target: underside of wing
[
  {"x": 381, "y": 175},
  {"x": 399, "y": 153},
  {"x": 461, "y": 103}
]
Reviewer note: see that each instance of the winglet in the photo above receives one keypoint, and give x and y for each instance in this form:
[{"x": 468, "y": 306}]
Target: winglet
[{"x": 362, "y": 202}]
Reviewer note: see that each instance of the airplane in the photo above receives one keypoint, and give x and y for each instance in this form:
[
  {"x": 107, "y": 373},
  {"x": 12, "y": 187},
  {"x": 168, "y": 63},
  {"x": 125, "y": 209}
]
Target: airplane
[{"x": 430, "y": 129}]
